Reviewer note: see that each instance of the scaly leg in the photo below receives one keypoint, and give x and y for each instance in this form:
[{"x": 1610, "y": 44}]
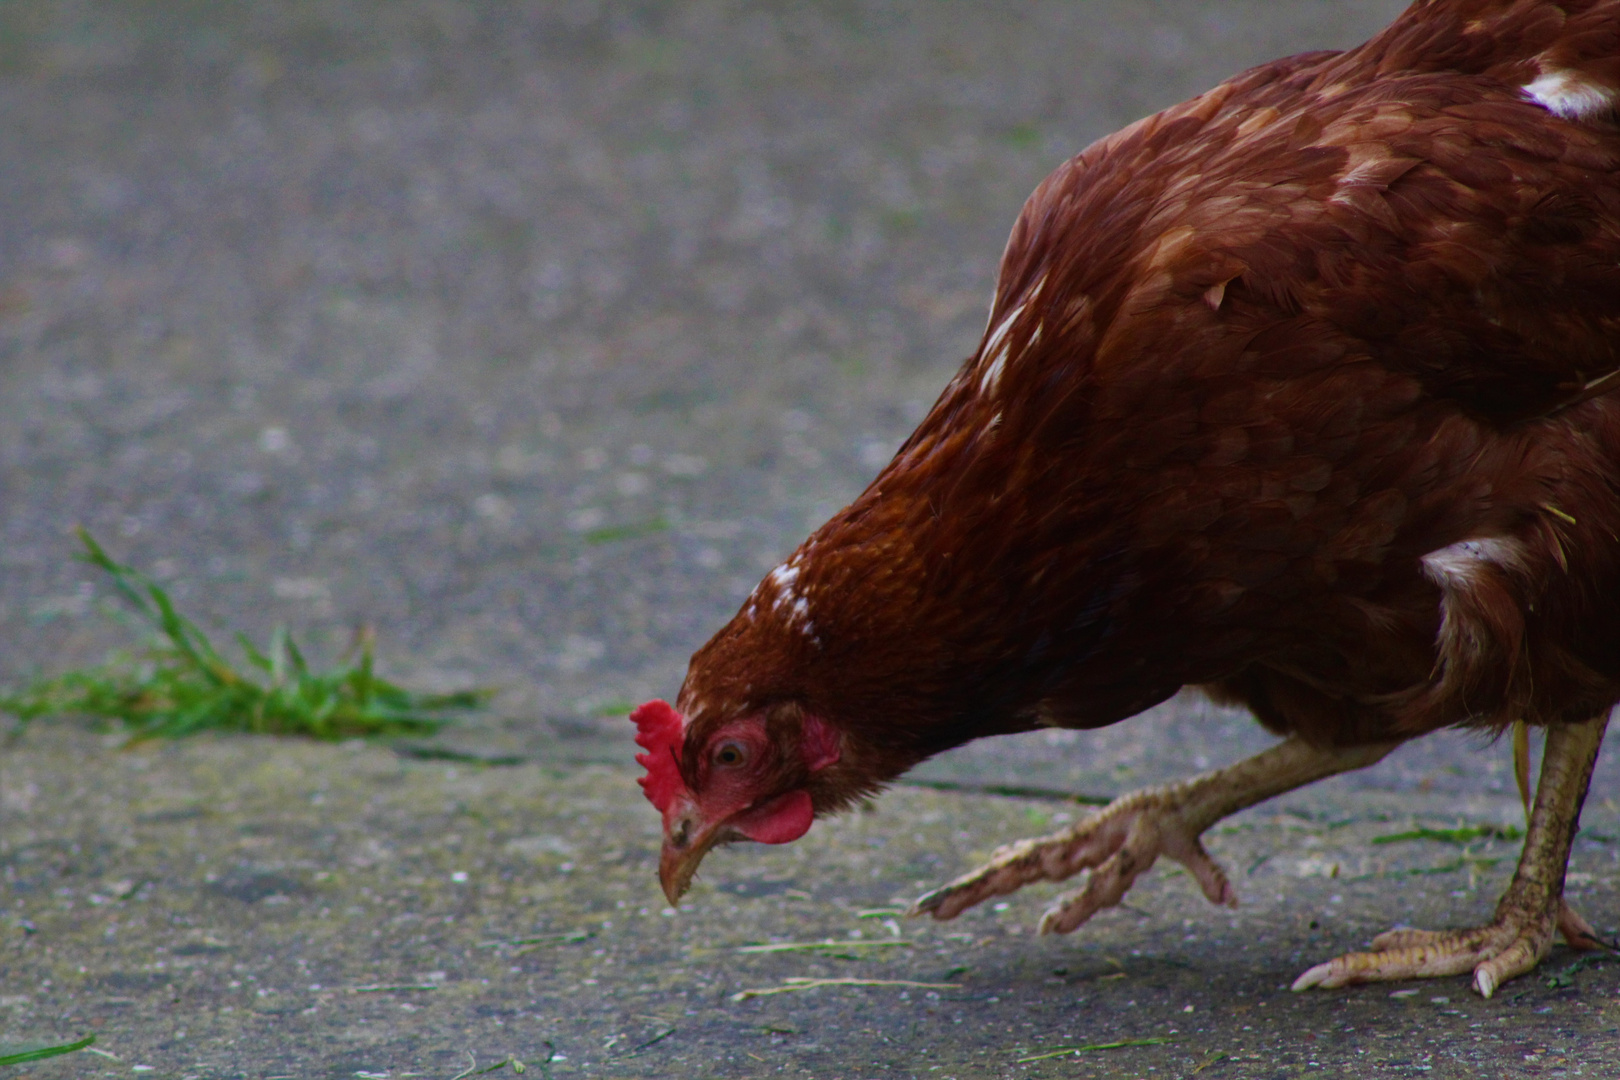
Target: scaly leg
[
  {"x": 1578, "y": 933},
  {"x": 1530, "y": 910},
  {"x": 1118, "y": 843}
]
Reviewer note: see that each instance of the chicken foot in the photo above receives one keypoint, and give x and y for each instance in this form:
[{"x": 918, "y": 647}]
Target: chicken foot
[
  {"x": 1520, "y": 935},
  {"x": 1121, "y": 841}
]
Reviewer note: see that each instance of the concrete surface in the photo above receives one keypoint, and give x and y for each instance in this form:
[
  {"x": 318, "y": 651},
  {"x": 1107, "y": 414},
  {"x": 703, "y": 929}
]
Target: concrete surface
[{"x": 530, "y": 335}]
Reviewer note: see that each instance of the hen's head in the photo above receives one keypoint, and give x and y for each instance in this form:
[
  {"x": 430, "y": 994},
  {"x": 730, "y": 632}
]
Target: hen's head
[{"x": 750, "y": 777}]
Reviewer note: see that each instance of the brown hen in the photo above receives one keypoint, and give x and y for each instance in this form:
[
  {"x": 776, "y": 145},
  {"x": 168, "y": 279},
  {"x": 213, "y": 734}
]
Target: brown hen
[{"x": 1297, "y": 392}]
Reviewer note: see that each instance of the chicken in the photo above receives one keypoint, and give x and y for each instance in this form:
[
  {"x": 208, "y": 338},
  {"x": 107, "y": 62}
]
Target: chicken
[{"x": 1297, "y": 392}]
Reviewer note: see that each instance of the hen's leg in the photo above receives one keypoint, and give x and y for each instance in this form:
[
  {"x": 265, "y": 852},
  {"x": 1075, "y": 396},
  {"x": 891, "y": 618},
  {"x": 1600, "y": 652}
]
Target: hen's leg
[
  {"x": 1119, "y": 842},
  {"x": 1528, "y": 913},
  {"x": 1577, "y": 932}
]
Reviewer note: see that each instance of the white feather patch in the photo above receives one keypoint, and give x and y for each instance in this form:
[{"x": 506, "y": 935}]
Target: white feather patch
[
  {"x": 783, "y": 578},
  {"x": 994, "y": 356},
  {"x": 1570, "y": 95},
  {"x": 1455, "y": 566},
  {"x": 789, "y": 601}
]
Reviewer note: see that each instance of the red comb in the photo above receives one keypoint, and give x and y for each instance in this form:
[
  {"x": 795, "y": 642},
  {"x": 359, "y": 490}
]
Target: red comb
[{"x": 660, "y": 732}]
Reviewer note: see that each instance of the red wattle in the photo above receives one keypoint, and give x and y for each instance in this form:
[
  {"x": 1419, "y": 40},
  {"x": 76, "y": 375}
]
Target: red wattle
[{"x": 780, "y": 821}]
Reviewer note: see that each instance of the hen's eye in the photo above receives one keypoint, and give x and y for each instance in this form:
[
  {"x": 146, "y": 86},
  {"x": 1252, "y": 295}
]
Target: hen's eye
[{"x": 729, "y": 754}]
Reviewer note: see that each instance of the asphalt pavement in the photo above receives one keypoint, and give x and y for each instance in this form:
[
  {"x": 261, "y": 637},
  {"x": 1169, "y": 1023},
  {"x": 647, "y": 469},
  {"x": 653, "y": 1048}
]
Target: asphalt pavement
[{"x": 530, "y": 336}]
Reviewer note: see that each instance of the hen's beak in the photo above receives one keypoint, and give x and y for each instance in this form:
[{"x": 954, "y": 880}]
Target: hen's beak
[{"x": 686, "y": 840}]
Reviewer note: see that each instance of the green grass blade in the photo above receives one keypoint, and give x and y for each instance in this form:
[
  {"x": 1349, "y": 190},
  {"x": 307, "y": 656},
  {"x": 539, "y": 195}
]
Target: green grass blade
[
  {"x": 1093, "y": 1047},
  {"x": 363, "y": 680},
  {"x": 251, "y": 651},
  {"x": 278, "y": 656},
  {"x": 21, "y": 1055},
  {"x": 120, "y": 574},
  {"x": 300, "y": 668},
  {"x": 1462, "y": 835},
  {"x": 152, "y": 603}
]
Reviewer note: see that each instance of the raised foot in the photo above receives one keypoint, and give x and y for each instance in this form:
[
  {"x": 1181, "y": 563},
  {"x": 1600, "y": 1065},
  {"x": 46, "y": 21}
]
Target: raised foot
[
  {"x": 1508, "y": 946},
  {"x": 1117, "y": 844}
]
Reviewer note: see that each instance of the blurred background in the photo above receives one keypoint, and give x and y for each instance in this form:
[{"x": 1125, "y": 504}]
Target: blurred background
[{"x": 531, "y": 334}]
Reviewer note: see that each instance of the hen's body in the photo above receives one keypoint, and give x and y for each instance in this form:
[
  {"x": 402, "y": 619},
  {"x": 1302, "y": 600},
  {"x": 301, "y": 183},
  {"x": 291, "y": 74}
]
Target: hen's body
[
  {"x": 1250, "y": 360},
  {"x": 1295, "y": 391}
]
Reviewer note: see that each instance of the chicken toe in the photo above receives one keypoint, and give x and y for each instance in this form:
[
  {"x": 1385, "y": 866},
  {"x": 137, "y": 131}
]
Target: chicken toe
[
  {"x": 1148, "y": 836},
  {"x": 1510, "y": 945},
  {"x": 1578, "y": 933},
  {"x": 1528, "y": 914},
  {"x": 1121, "y": 841}
]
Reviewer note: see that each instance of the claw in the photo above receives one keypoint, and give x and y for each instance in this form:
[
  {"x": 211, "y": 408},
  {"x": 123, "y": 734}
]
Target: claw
[
  {"x": 1316, "y": 976},
  {"x": 928, "y": 903}
]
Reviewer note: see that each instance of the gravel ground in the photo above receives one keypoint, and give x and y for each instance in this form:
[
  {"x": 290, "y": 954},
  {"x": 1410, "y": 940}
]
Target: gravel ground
[
  {"x": 530, "y": 335},
  {"x": 226, "y": 909}
]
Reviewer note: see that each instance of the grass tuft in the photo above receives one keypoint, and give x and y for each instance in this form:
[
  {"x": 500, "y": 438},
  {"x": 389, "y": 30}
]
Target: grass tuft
[{"x": 179, "y": 683}]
